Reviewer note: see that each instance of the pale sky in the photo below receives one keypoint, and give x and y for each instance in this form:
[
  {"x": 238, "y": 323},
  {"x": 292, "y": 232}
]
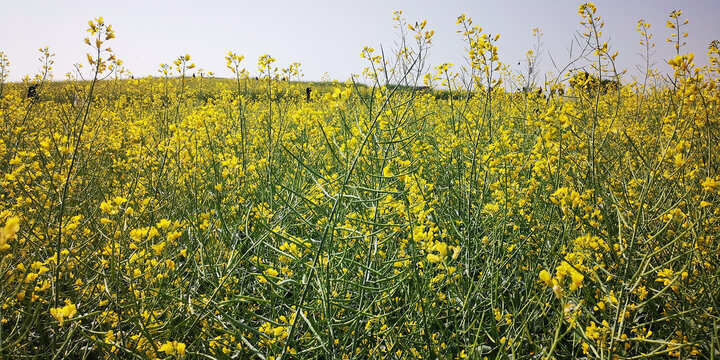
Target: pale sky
[{"x": 327, "y": 36}]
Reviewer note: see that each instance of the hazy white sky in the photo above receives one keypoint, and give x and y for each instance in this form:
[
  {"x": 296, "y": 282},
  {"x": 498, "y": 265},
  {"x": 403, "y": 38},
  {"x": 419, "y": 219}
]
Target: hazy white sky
[{"x": 327, "y": 36}]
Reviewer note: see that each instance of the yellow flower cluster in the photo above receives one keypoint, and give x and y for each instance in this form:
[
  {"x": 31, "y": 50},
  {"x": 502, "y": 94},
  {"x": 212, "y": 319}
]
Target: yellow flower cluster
[
  {"x": 486, "y": 215},
  {"x": 66, "y": 312},
  {"x": 9, "y": 232},
  {"x": 173, "y": 348}
]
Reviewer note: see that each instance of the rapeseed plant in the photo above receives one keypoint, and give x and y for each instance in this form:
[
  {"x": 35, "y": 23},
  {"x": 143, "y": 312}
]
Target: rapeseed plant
[{"x": 196, "y": 217}]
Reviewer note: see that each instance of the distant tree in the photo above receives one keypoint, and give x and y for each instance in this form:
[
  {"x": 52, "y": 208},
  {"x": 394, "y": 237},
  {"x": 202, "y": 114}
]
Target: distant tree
[{"x": 587, "y": 83}]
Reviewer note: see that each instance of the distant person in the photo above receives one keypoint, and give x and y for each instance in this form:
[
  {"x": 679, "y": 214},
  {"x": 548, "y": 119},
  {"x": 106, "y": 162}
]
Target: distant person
[
  {"x": 79, "y": 101},
  {"x": 32, "y": 92},
  {"x": 307, "y": 92}
]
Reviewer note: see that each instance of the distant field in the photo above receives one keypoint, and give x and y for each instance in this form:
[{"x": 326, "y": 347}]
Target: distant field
[{"x": 195, "y": 217}]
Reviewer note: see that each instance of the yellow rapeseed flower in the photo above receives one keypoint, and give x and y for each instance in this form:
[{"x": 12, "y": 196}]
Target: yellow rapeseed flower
[
  {"x": 546, "y": 277},
  {"x": 9, "y": 232},
  {"x": 66, "y": 312},
  {"x": 172, "y": 348},
  {"x": 577, "y": 280}
]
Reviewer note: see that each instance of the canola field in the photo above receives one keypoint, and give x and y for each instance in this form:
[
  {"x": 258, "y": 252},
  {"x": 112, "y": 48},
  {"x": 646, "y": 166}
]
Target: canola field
[{"x": 195, "y": 217}]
